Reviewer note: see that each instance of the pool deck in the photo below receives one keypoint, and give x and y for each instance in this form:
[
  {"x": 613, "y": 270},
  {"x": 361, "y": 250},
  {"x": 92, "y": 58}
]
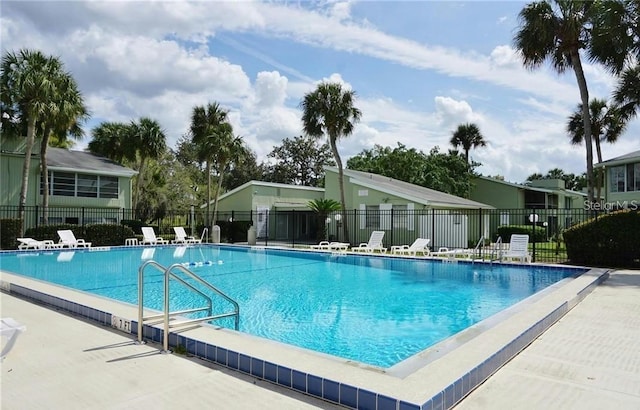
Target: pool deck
[{"x": 588, "y": 359}]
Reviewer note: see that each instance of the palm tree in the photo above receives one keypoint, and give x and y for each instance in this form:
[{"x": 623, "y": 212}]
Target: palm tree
[
  {"x": 323, "y": 207},
  {"x": 627, "y": 93},
  {"x": 65, "y": 115},
  {"x": 109, "y": 139},
  {"x": 329, "y": 110},
  {"x": 149, "y": 142},
  {"x": 206, "y": 124},
  {"x": 606, "y": 125},
  {"x": 229, "y": 150},
  {"x": 467, "y": 136},
  {"x": 557, "y": 34},
  {"x": 28, "y": 88}
]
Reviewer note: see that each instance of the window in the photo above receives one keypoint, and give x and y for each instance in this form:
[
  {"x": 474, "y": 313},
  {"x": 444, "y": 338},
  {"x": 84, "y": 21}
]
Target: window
[
  {"x": 81, "y": 185},
  {"x": 625, "y": 178},
  {"x": 87, "y": 186},
  {"x": 617, "y": 179},
  {"x": 63, "y": 184},
  {"x": 108, "y": 187},
  {"x": 633, "y": 177}
]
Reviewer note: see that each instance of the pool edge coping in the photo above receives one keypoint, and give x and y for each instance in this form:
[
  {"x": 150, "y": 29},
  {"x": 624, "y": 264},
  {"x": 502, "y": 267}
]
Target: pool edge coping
[{"x": 436, "y": 385}]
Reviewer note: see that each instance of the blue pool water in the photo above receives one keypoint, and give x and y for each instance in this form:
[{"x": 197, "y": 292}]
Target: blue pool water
[{"x": 373, "y": 310}]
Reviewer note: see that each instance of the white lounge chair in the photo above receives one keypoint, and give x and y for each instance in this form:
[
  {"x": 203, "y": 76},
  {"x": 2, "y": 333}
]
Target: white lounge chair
[
  {"x": 518, "y": 249},
  {"x": 10, "y": 329},
  {"x": 30, "y": 243},
  {"x": 182, "y": 237},
  {"x": 68, "y": 239},
  {"x": 420, "y": 245},
  {"x": 374, "y": 244},
  {"x": 331, "y": 246},
  {"x": 464, "y": 253},
  {"x": 149, "y": 237}
]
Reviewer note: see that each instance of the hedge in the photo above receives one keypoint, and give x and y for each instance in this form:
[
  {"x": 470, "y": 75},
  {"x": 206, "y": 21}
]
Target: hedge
[
  {"x": 97, "y": 234},
  {"x": 9, "y": 231},
  {"x": 506, "y": 231},
  {"x": 611, "y": 240},
  {"x": 134, "y": 224},
  {"x": 108, "y": 234}
]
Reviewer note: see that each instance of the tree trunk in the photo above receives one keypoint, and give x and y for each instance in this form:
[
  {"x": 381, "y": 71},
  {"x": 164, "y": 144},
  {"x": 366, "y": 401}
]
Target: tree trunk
[
  {"x": 45, "y": 175},
  {"x": 139, "y": 182},
  {"x": 31, "y": 133},
  {"x": 598, "y": 173},
  {"x": 336, "y": 156},
  {"x": 586, "y": 121},
  {"x": 215, "y": 207},
  {"x": 209, "y": 199}
]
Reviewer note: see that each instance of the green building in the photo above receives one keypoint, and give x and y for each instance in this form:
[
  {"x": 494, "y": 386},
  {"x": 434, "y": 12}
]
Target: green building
[{"x": 622, "y": 181}]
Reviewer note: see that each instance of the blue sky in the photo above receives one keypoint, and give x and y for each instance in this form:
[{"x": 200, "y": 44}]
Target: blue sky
[{"x": 419, "y": 69}]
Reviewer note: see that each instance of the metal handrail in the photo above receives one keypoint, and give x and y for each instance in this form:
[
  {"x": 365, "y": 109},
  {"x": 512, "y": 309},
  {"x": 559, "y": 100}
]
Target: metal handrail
[
  {"x": 204, "y": 231},
  {"x": 169, "y": 274}
]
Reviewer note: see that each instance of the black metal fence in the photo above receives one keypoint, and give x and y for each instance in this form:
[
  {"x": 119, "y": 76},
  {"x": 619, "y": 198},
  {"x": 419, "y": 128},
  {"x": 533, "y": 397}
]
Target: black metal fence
[{"x": 448, "y": 228}]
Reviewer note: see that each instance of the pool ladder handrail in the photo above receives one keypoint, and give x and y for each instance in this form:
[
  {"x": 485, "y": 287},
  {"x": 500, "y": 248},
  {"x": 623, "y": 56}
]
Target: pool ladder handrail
[
  {"x": 496, "y": 252},
  {"x": 205, "y": 233},
  {"x": 166, "y": 315}
]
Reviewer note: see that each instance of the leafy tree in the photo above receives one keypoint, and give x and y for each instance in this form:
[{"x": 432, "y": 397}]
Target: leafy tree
[
  {"x": 627, "y": 93},
  {"x": 110, "y": 140},
  {"x": 149, "y": 142},
  {"x": 606, "y": 125},
  {"x": 230, "y": 151},
  {"x": 556, "y": 32},
  {"x": 330, "y": 110},
  {"x": 244, "y": 171},
  {"x": 445, "y": 172},
  {"x": 467, "y": 136},
  {"x": 65, "y": 114},
  {"x": 209, "y": 131},
  {"x": 28, "y": 88},
  {"x": 323, "y": 207},
  {"x": 616, "y": 44},
  {"x": 300, "y": 161}
]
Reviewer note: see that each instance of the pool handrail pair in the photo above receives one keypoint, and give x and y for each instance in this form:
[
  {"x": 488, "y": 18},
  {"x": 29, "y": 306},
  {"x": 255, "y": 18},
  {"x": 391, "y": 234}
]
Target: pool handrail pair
[{"x": 166, "y": 314}]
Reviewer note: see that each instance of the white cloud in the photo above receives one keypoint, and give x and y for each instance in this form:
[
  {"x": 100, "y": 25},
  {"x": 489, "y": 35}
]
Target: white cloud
[{"x": 270, "y": 89}]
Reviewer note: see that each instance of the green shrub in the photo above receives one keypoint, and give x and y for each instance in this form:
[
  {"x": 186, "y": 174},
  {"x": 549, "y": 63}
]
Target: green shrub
[
  {"x": 235, "y": 231},
  {"x": 51, "y": 231},
  {"x": 610, "y": 240},
  {"x": 134, "y": 224},
  {"x": 108, "y": 234},
  {"x": 9, "y": 231},
  {"x": 506, "y": 231}
]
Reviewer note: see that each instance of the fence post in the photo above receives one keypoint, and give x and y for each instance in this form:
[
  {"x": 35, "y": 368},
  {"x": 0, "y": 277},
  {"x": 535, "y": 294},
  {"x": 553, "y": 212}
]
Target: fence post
[
  {"x": 433, "y": 224},
  {"x": 82, "y": 215},
  {"x": 293, "y": 231},
  {"x": 36, "y": 216}
]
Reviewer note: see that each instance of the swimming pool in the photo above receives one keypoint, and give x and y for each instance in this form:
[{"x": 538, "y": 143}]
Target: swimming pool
[{"x": 374, "y": 310}]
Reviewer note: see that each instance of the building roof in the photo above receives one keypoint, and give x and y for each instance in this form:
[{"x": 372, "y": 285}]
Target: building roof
[
  {"x": 267, "y": 184},
  {"x": 533, "y": 188},
  {"x": 59, "y": 159},
  {"x": 622, "y": 159},
  {"x": 415, "y": 193}
]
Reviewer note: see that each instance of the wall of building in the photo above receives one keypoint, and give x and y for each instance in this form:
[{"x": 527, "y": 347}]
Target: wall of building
[
  {"x": 497, "y": 194},
  {"x": 11, "y": 166}
]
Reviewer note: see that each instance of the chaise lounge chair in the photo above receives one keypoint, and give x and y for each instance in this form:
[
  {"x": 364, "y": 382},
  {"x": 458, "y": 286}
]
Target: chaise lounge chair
[
  {"x": 10, "y": 329},
  {"x": 518, "y": 249},
  {"x": 149, "y": 237},
  {"x": 182, "y": 237},
  {"x": 374, "y": 244},
  {"x": 420, "y": 245},
  {"x": 30, "y": 243},
  {"x": 68, "y": 239},
  {"x": 466, "y": 253},
  {"x": 330, "y": 246}
]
